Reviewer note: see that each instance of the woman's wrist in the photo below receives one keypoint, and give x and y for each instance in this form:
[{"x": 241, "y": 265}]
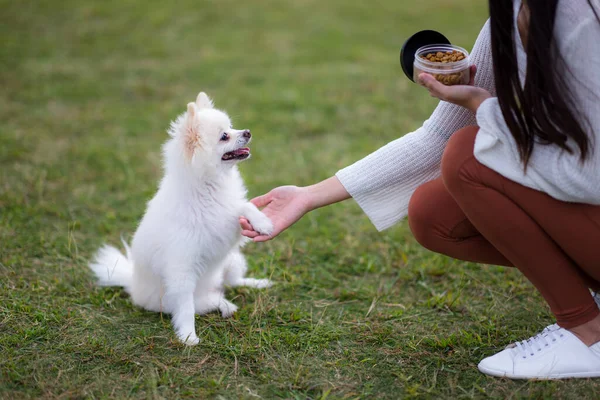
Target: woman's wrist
[
  {"x": 476, "y": 101},
  {"x": 325, "y": 193}
]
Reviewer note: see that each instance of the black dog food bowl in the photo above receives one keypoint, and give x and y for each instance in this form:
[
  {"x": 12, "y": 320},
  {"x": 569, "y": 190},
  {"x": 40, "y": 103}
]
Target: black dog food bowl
[{"x": 414, "y": 43}]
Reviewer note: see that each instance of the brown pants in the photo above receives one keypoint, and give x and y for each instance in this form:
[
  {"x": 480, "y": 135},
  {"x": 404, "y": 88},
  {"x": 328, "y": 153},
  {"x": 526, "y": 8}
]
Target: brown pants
[{"x": 474, "y": 214}]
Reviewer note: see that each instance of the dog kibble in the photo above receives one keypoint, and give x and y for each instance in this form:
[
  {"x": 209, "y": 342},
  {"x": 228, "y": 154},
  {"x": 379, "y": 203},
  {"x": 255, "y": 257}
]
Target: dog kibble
[
  {"x": 453, "y": 55},
  {"x": 445, "y": 57}
]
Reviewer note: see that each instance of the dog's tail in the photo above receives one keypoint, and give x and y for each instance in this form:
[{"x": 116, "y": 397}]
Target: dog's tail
[{"x": 113, "y": 268}]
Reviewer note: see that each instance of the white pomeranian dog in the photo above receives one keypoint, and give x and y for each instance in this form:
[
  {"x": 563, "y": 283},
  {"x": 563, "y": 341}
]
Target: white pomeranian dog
[{"x": 187, "y": 246}]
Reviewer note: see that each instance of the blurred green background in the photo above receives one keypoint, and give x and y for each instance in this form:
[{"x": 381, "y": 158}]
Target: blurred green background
[{"x": 88, "y": 89}]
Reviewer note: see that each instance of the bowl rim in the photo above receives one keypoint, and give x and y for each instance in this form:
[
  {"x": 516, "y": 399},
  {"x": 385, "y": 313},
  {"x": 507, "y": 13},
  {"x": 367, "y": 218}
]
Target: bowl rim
[{"x": 442, "y": 47}]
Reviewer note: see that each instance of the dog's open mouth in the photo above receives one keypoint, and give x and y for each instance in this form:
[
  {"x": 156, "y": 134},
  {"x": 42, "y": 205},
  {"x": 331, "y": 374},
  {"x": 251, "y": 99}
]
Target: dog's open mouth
[{"x": 238, "y": 154}]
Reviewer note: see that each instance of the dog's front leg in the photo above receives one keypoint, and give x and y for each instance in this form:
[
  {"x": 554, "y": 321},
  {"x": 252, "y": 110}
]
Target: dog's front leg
[
  {"x": 179, "y": 301},
  {"x": 259, "y": 221}
]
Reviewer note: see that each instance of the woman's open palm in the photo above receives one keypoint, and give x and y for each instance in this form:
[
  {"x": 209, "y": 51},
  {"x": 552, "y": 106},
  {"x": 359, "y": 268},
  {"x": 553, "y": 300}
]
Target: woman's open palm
[{"x": 283, "y": 206}]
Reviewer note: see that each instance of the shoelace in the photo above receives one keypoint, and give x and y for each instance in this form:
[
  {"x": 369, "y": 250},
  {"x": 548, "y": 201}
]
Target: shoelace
[
  {"x": 536, "y": 343},
  {"x": 596, "y": 298}
]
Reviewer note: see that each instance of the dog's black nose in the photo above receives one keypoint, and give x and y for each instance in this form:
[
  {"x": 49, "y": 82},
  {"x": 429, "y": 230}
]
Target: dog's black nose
[{"x": 247, "y": 133}]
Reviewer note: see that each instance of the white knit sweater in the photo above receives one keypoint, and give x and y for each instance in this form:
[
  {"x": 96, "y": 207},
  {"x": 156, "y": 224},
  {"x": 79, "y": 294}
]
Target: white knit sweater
[{"x": 383, "y": 182}]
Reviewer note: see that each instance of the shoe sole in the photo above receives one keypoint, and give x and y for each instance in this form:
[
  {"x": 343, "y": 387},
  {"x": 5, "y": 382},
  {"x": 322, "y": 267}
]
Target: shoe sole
[{"x": 501, "y": 374}]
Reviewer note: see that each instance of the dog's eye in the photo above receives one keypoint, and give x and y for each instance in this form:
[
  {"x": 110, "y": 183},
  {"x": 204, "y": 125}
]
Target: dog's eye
[{"x": 224, "y": 136}]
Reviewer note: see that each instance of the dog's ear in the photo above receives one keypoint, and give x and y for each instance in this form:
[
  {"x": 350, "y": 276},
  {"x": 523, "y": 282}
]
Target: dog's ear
[
  {"x": 190, "y": 119},
  {"x": 191, "y": 111},
  {"x": 203, "y": 101},
  {"x": 191, "y": 139}
]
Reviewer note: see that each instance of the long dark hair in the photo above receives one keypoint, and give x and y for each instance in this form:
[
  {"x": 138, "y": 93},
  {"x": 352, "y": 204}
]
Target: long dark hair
[{"x": 542, "y": 110}]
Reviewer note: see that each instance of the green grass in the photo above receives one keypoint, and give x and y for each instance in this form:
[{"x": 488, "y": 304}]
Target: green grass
[{"x": 88, "y": 90}]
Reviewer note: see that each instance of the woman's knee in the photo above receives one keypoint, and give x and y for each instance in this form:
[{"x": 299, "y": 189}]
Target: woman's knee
[
  {"x": 423, "y": 218},
  {"x": 419, "y": 219},
  {"x": 458, "y": 150}
]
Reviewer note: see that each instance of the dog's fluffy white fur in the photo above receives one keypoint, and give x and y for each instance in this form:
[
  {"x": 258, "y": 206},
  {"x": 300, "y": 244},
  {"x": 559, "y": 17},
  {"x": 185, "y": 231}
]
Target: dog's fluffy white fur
[{"x": 187, "y": 246}]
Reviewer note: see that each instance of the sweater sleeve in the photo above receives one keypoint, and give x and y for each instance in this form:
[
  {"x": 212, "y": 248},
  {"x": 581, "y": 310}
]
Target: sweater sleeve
[{"x": 383, "y": 182}]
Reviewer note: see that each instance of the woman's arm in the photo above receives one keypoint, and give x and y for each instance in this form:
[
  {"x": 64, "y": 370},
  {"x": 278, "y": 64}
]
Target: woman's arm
[
  {"x": 287, "y": 204},
  {"x": 327, "y": 192},
  {"x": 383, "y": 182}
]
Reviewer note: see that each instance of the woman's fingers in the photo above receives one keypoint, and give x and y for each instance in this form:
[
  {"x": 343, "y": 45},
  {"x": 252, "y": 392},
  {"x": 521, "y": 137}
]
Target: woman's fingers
[
  {"x": 262, "y": 238},
  {"x": 436, "y": 88},
  {"x": 473, "y": 71},
  {"x": 245, "y": 224},
  {"x": 247, "y": 229},
  {"x": 250, "y": 234}
]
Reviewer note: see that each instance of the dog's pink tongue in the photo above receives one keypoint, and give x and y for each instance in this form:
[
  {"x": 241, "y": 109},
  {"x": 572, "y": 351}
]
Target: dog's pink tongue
[{"x": 243, "y": 150}]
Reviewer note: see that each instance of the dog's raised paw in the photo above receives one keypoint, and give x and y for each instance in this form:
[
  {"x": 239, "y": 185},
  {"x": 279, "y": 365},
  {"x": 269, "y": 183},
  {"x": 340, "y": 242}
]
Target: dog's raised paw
[{"x": 264, "y": 226}]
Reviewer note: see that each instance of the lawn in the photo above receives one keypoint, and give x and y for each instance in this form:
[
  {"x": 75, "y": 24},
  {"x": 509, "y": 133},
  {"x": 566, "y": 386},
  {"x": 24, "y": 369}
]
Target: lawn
[{"x": 88, "y": 91}]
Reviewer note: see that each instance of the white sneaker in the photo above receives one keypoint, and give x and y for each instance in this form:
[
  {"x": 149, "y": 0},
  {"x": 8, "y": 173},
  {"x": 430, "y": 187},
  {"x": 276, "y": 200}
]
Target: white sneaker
[
  {"x": 554, "y": 353},
  {"x": 596, "y": 298}
]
